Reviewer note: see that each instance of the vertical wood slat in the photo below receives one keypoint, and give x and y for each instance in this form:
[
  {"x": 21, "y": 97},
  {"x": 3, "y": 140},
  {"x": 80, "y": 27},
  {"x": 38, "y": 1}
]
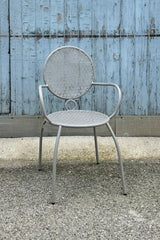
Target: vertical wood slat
[
  {"x": 4, "y": 59},
  {"x": 127, "y": 75},
  {"x": 154, "y": 77},
  {"x": 117, "y": 34}
]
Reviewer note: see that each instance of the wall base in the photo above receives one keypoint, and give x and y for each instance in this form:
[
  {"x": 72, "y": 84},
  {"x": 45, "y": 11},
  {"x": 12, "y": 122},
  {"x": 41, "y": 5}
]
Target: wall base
[{"x": 130, "y": 126}]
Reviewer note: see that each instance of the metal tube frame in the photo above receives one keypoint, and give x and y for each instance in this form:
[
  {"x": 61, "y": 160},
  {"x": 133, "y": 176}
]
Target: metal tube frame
[
  {"x": 95, "y": 138},
  {"x": 40, "y": 147},
  {"x": 42, "y": 101},
  {"x": 119, "y": 95},
  {"x": 54, "y": 165},
  {"x": 96, "y": 145},
  {"x": 119, "y": 159}
]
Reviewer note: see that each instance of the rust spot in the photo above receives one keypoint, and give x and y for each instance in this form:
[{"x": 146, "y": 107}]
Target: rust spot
[
  {"x": 47, "y": 32},
  {"x": 59, "y": 17},
  {"x": 87, "y": 32},
  {"x": 46, "y": 9},
  {"x": 152, "y": 27},
  {"x": 66, "y": 36},
  {"x": 80, "y": 34},
  {"x": 152, "y": 32},
  {"x": 117, "y": 32},
  {"x": 103, "y": 31},
  {"x": 115, "y": 57},
  {"x": 2, "y": 34},
  {"x": 152, "y": 21}
]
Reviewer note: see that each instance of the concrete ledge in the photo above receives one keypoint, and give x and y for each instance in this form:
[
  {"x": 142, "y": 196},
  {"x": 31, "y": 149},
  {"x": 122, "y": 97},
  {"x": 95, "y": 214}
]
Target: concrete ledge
[
  {"x": 139, "y": 126},
  {"x": 127, "y": 126},
  {"x": 80, "y": 148}
]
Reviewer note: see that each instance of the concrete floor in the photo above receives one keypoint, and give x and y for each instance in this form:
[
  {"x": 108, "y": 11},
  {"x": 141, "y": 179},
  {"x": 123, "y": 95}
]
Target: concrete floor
[
  {"x": 79, "y": 147},
  {"x": 89, "y": 200}
]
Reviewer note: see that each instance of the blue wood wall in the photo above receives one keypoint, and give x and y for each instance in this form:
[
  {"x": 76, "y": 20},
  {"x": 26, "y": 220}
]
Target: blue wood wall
[
  {"x": 4, "y": 59},
  {"x": 121, "y": 36}
]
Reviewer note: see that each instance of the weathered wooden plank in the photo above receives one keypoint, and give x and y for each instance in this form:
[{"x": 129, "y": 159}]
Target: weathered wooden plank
[
  {"x": 99, "y": 64},
  {"x": 85, "y": 17},
  {"x": 4, "y": 18},
  {"x": 127, "y": 76},
  {"x": 57, "y": 17},
  {"x": 4, "y": 59},
  {"x": 4, "y": 76},
  {"x": 28, "y": 11},
  {"x": 128, "y": 17},
  {"x": 142, "y": 17},
  {"x": 141, "y": 76},
  {"x": 112, "y": 71},
  {"x": 154, "y": 17},
  {"x": 71, "y": 16},
  {"x": 154, "y": 76},
  {"x": 16, "y": 76},
  {"x": 16, "y": 17}
]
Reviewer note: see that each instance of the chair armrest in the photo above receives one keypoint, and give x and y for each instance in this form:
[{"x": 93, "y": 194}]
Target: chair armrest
[
  {"x": 119, "y": 95},
  {"x": 42, "y": 101}
]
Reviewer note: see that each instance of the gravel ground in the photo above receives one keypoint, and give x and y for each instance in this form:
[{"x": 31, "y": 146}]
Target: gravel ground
[{"x": 89, "y": 201}]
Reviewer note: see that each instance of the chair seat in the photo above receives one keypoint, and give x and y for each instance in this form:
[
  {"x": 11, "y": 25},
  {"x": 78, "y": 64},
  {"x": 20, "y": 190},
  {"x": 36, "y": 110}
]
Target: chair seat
[{"x": 78, "y": 118}]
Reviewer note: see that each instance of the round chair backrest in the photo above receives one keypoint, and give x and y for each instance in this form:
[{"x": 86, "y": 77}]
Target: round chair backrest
[{"x": 68, "y": 72}]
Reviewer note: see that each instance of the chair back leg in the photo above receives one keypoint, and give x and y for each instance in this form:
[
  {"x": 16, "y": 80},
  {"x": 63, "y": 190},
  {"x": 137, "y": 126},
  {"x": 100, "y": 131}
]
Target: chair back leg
[
  {"x": 54, "y": 165},
  {"x": 40, "y": 147},
  {"x": 119, "y": 159},
  {"x": 96, "y": 145}
]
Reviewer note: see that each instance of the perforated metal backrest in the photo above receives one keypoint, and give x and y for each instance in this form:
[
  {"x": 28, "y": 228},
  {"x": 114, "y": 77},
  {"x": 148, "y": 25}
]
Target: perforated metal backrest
[{"x": 69, "y": 72}]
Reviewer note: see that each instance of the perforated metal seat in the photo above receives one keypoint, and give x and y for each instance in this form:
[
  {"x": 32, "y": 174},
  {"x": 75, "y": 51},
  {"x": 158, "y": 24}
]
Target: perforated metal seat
[
  {"x": 68, "y": 74},
  {"x": 78, "y": 118}
]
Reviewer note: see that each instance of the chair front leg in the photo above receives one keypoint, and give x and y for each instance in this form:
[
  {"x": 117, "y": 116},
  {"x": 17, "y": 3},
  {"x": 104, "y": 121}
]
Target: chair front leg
[
  {"x": 54, "y": 165},
  {"x": 40, "y": 147},
  {"x": 119, "y": 158}
]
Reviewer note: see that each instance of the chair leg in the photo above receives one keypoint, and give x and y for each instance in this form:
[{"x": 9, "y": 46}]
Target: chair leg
[
  {"x": 96, "y": 145},
  {"x": 54, "y": 165},
  {"x": 119, "y": 159},
  {"x": 40, "y": 147}
]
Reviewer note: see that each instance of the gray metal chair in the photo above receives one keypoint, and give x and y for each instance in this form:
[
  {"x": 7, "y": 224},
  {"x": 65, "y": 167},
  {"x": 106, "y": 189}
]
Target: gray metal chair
[{"x": 68, "y": 74}]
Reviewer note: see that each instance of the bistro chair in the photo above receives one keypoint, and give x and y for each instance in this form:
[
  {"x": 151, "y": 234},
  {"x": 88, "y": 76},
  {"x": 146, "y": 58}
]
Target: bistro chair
[{"x": 68, "y": 74}]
